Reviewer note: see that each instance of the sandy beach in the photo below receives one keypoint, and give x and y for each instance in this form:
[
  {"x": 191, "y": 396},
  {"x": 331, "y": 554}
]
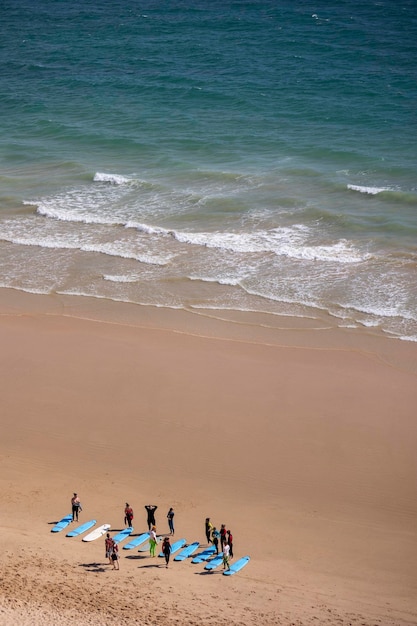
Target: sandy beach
[{"x": 302, "y": 441}]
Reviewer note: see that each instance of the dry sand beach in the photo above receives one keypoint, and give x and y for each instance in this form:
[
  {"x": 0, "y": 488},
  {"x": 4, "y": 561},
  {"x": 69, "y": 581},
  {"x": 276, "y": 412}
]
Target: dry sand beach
[{"x": 302, "y": 441}]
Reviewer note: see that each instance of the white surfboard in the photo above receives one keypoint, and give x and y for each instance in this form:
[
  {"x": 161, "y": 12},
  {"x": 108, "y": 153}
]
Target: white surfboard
[{"x": 97, "y": 532}]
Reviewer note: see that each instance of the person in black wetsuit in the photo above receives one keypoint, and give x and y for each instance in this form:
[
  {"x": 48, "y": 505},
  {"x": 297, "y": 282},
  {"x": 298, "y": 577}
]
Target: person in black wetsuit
[
  {"x": 230, "y": 543},
  {"x": 223, "y": 536},
  {"x": 209, "y": 529},
  {"x": 150, "y": 509},
  {"x": 170, "y": 517},
  {"x": 166, "y": 549}
]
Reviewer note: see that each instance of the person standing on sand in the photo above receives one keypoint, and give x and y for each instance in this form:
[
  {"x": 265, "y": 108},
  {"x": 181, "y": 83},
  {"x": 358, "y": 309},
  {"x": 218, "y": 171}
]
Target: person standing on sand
[
  {"x": 115, "y": 556},
  {"x": 166, "y": 549},
  {"x": 109, "y": 543},
  {"x": 223, "y": 538},
  {"x": 226, "y": 551},
  {"x": 230, "y": 542},
  {"x": 170, "y": 516},
  {"x": 215, "y": 539},
  {"x": 150, "y": 509},
  {"x": 76, "y": 507},
  {"x": 128, "y": 515},
  {"x": 152, "y": 541},
  {"x": 209, "y": 530}
]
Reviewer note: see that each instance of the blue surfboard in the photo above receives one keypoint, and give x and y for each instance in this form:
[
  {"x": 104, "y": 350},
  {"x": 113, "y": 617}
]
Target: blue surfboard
[
  {"x": 81, "y": 529},
  {"x": 177, "y": 545},
  {"x": 136, "y": 541},
  {"x": 214, "y": 562},
  {"x": 236, "y": 567},
  {"x": 62, "y": 524},
  {"x": 205, "y": 555},
  {"x": 124, "y": 534},
  {"x": 184, "y": 554}
]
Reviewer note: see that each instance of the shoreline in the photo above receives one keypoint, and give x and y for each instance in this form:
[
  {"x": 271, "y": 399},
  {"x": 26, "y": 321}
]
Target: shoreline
[
  {"x": 247, "y": 327},
  {"x": 302, "y": 442}
]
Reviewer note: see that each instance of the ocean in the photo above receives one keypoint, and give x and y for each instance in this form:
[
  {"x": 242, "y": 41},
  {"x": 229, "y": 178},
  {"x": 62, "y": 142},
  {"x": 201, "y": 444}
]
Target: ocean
[{"x": 216, "y": 157}]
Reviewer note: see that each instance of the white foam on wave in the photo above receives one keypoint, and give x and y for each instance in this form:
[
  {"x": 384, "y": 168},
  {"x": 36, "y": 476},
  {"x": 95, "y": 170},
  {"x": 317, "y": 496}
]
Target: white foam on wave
[
  {"x": 407, "y": 338},
  {"x": 120, "y": 279},
  {"x": 341, "y": 251},
  {"x": 228, "y": 281},
  {"x": 376, "y": 313},
  {"x": 373, "y": 191},
  {"x": 282, "y": 241},
  {"x": 115, "y": 249},
  {"x": 112, "y": 249},
  {"x": 38, "y": 292},
  {"x": 83, "y": 294},
  {"x": 113, "y": 179},
  {"x": 240, "y": 309},
  {"x": 57, "y": 213},
  {"x": 149, "y": 230},
  {"x": 290, "y": 242}
]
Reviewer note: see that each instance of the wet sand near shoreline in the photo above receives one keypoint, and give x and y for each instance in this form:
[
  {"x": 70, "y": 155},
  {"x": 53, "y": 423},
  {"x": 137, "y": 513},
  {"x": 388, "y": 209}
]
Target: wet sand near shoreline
[{"x": 301, "y": 441}]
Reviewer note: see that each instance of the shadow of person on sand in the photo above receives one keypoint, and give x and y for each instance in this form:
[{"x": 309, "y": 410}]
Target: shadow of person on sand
[
  {"x": 136, "y": 557},
  {"x": 157, "y": 565},
  {"x": 208, "y": 572},
  {"x": 93, "y": 567}
]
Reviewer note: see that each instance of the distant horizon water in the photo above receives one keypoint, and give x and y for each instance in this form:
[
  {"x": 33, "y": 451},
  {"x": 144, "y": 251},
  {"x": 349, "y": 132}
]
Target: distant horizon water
[{"x": 222, "y": 156}]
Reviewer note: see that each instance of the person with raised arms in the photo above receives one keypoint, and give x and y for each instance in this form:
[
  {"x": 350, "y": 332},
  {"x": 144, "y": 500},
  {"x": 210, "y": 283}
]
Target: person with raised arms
[{"x": 150, "y": 510}]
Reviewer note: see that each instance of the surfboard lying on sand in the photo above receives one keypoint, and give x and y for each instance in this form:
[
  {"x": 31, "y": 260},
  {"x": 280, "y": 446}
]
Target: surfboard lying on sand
[
  {"x": 62, "y": 524},
  {"x": 124, "y": 534},
  {"x": 184, "y": 554},
  {"x": 177, "y": 545},
  {"x": 81, "y": 529},
  {"x": 236, "y": 567},
  {"x": 215, "y": 562},
  {"x": 136, "y": 541},
  {"x": 145, "y": 547},
  {"x": 205, "y": 555},
  {"x": 97, "y": 532}
]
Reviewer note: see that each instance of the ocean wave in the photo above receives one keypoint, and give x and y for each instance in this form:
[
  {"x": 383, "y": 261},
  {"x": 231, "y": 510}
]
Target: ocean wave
[
  {"x": 290, "y": 241},
  {"x": 407, "y": 338},
  {"x": 57, "y": 213},
  {"x": 286, "y": 241},
  {"x": 390, "y": 194},
  {"x": 374, "y": 314},
  {"x": 83, "y": 294},
  {"x": 230, "y": 282},
  {"x": 114, "y": 249},
  {"x": 373, "y": 191},
  {"x": 150, "y": 230},
  {"x": 120, "y": 278},
  {"x": 113, "y": 179}
]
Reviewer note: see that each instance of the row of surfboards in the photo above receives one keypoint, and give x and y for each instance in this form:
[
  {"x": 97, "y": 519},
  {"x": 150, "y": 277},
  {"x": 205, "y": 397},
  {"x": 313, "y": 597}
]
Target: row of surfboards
[{"x": 180, "y": 546}]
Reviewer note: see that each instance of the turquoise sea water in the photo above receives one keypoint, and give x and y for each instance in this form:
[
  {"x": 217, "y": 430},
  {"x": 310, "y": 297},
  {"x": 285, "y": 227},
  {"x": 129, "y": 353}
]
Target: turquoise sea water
[{"x": 213, "y": 156}]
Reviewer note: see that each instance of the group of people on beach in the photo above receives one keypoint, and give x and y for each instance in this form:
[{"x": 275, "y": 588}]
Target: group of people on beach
[
  {"x": 222, "y": 537},
  {"x": 150, "y": 517}
]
